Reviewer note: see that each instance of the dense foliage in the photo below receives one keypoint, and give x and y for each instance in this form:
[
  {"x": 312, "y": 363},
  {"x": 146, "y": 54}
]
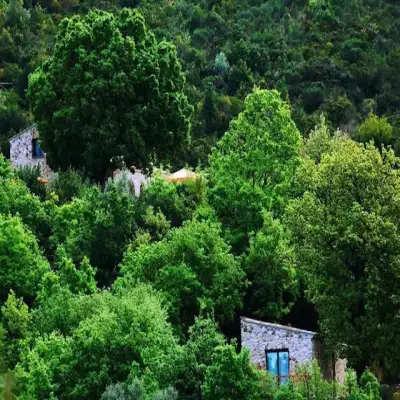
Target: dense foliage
[
  {"x": 252, "y": 165},
  {"x": 105, "y": 294},
  {"x": 109, "y": 90},
  {"x": 337, "y": 57},
  {"x": 346, "y": 229}
]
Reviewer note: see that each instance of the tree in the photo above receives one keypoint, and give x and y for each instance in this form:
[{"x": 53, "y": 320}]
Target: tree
[
  {"x": 177, "y": 201},
  {"x": 16, "y": 200},
  {"x": 134, "y": 389},
  {"x": 22, "y": 264},
  {"x": 221, "y": 64},
  {"x": 346, "y": 236},
  {"x": 193, "y": 268},
  {"x": 29, "y": 175},
  {"x": 12, "y": 118},
  {"x": 232, "y": 377},
  {"x": 204, "y": 338},
  {"x": 270, "y": 268},
  {"x": 14, "y": 329},
  {"x": 116, "y": 336},
  {"x": 377, "y": 129},
  {"x": 67, "y": 185},
  {"x": 252, "y": 165},
  {"x": 110, "y": 90},
  {"x": 98, "y": 225}
]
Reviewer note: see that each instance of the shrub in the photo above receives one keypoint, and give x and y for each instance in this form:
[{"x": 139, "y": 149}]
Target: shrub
[
  {"x": 232, "y": 376},
  {"x": 30, "y": 175},
  {"x": 67, "y": 185},
  {"x": 377, "y": 129},
  {"x": 21, "y": 261}
]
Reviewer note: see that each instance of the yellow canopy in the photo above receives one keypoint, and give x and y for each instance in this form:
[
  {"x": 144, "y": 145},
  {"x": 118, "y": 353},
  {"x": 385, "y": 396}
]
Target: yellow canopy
[{"x": 181, "y": 176}]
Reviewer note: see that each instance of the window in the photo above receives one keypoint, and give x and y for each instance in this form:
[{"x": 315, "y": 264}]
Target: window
[
  {"x": 36, "y": 150},
  {"x": 278, "y": 364}
]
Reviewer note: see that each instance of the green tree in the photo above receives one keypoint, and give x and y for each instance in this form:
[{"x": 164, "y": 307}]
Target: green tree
[
  {"x": 377, "y": 129},
  {"x": 12, "y": 118},
  {"x": 177, "y": 201},
  {"x": 78, "y": 279},
  {"x": 346, "y": 237},
  {"x": 270, "y": 269},
  {"x": 368, "y": 389},
  {"x": 109, "y": 90},
  {"x": 16, "y": 200},
  {"x": 98, "y": 225},
  {"x": 119, "y": 335},
  {"x": 67, "y": 185},
  {"x": 22, "y": 264},
  {"x": 252, "y": 166},
  {"x": 193, "y": 268},
  {"x": 29, "y": 175},
  {"x": 15, "y": 321},
  {"x": 232, "y": 377},
  {"x": 204, "y": 338}
]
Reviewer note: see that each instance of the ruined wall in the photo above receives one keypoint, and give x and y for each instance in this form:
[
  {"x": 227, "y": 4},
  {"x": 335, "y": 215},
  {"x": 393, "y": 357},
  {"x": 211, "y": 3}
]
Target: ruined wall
[
  {"x": 260, "y": 336},
  {"x": 21, "y": 151}
]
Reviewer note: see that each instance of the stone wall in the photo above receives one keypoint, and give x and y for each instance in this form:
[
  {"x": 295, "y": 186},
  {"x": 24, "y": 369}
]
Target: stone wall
[
  {"x": 21, "y": 151},
  {"x": 303, "y": 346},
  {"x": 260, "y": 336}
]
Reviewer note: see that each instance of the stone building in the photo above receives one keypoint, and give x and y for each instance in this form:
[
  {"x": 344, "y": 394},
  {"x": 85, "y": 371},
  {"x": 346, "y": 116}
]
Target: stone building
[
  {"x": 279, "y": 349},
  {"x": 25, "y": 151}
]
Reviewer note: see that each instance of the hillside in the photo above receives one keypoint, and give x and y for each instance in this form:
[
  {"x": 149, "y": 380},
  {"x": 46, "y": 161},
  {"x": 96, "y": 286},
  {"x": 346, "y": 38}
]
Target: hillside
[
  {"x": 340, "y": 57},
  {"x": 268, "y": 268}
]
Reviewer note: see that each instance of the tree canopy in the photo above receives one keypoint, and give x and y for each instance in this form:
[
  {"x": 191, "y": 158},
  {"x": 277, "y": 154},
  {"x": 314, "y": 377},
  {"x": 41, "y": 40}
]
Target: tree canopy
[
  {"x": 22, "y": 264},
  {"x": 108, "y": 295},
  {"x": 346, "y": 234},
  {"x": 194, "y": 269},
  {"x": 252, "y": 166},
  {"x": 109, "y": 91}
]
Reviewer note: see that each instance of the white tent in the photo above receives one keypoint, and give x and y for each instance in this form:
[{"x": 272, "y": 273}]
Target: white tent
[{"x": 181, "y": 176}]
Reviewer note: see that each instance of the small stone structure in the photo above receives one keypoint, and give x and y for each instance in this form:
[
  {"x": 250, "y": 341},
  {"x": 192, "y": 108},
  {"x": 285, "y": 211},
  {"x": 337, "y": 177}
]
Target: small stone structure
[
  {"x": 22, "y": 151},
  {"x": 260, "y": 337}
]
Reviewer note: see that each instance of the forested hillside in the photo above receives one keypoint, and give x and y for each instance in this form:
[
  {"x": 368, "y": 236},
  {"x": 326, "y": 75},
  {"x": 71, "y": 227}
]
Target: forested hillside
[
  {"x": 287, "y": 111},
  {"x": 336, "y": 57}
]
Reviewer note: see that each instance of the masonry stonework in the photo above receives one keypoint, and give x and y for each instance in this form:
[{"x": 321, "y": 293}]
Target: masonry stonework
[
  {"x": 21, "y": 151},
  {"x": 302, "y": 345},
  {"x": 259, "y": 337}
]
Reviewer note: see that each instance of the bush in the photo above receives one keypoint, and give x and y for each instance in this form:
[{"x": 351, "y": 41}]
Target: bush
[
  {"x": 308, "y": 383},
  {"x": 30, "y": 175},
  {"x": 287, "y": 392},
  {"x": 232, "y": 376},
  {"x": 377, "y": 129},
  {"x": 136, "y": 390},
  {"x": 312, "y": 98},
  {"x": 22, "y": 263},
  {"x": 67, "y": 185}
]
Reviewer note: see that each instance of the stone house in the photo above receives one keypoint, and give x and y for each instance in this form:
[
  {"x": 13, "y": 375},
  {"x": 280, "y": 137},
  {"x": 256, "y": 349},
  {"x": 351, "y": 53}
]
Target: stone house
[
  {"x": 25, "y": 151},
  {"x": 279, "y": 349}
]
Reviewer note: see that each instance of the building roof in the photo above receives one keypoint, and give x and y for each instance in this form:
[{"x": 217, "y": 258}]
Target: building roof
[
  {"x": 29, "y": 128},
  {"x": 276, "y": 326}
]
